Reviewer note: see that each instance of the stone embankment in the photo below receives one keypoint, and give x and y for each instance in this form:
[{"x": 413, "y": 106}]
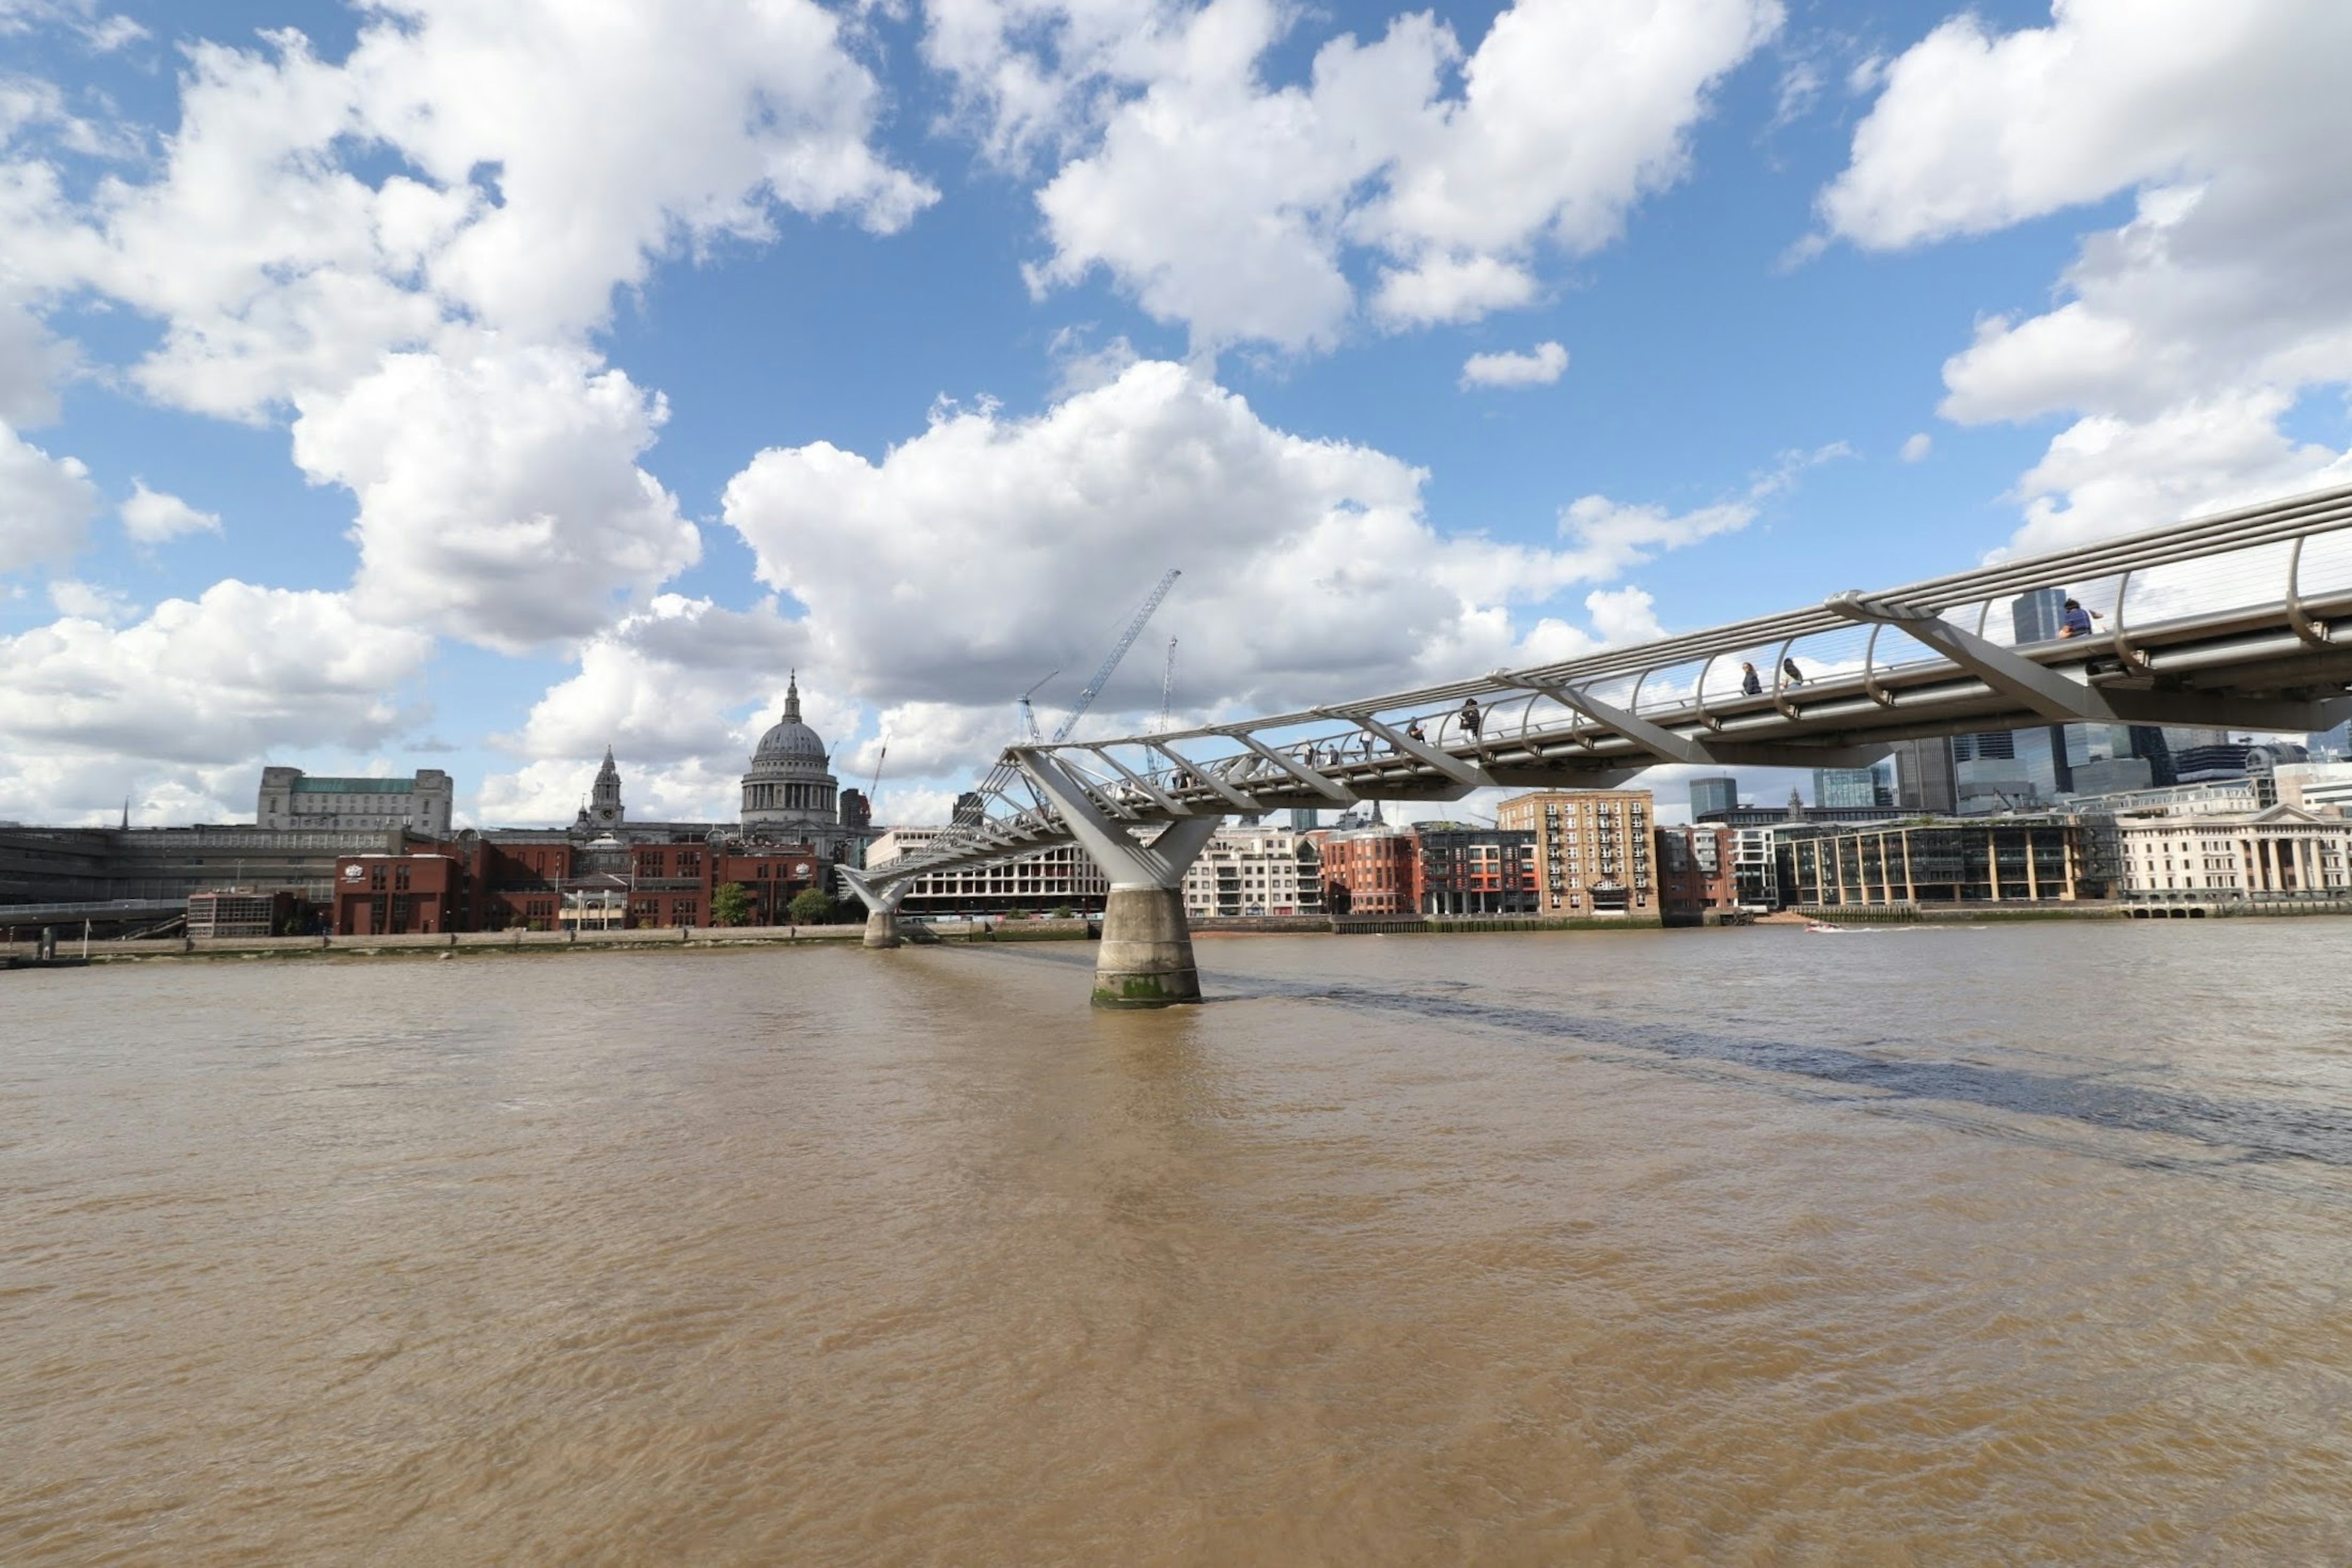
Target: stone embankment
[{"x": 437, "y": 943}]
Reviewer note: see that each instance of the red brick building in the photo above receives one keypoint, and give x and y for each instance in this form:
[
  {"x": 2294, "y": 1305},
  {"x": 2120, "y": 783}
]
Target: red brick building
[
  {"x": 537, "y": 882},
  {"x": 1463, "y": 868},
  {"x": 1695, "y": 873},
  {"x": 1371, "y": 871},
  {"x": 401, "y": 895}
]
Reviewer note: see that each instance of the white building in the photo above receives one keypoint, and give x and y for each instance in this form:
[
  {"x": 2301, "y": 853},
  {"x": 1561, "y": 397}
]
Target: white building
[
  {"x": 2314, "y": 785},
  {"x": 1042, "y": 880},
  {"x": 2210, "y": 797},
  {"x": 289, "y": 798},
  {"x": 2284, "y": 852},
  {"x": 1756, "y": 868},
  {"x": 1246, "y": 871}
]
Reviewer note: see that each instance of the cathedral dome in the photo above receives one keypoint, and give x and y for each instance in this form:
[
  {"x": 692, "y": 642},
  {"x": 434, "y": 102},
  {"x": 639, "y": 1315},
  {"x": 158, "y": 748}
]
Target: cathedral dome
[
  {"x": 789, "y": 739},
  {"x": 790, "y": 793}
]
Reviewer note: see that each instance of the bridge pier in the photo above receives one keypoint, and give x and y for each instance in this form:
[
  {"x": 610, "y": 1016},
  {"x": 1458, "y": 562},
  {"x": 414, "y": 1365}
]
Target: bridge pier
[
  {"x": 881, "y": 908},
  {"x": 1145, "y": 958}
]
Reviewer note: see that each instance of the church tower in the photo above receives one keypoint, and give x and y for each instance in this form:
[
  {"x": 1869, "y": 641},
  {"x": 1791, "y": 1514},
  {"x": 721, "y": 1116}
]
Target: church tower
[{"x": 604, "y": 809}]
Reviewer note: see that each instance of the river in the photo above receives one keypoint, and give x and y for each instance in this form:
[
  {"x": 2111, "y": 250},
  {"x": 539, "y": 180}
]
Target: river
[{"x": 2020, "y": 1243}]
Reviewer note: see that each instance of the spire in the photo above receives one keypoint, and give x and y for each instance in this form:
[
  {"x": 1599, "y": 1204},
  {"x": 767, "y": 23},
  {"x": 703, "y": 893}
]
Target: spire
[
  {"x": 792, "y": 699},
  {"x": 126, "y": 813}
]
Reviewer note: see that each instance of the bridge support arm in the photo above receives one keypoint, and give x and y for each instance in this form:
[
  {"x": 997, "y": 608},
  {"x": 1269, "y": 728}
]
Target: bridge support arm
[
  {"x": 1209, "y": 779},
  {"x": 1145, "y": 958},
  {"x": 1450, "y": 766},
  {"x": 1667, "y": 746},
  {"x": 1321, "y": 784},
  {"x": 2046, "y": 691}
]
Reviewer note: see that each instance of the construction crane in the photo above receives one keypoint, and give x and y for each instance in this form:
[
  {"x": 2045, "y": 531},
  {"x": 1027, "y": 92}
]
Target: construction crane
[
  {"x": 874, "y": 790},
  {"x": 1168, "y": 686},
  {"x": 1001, "y": 777},
  {"x": 1111, "y": 661},
  {"x": 1029, "y": 712}
]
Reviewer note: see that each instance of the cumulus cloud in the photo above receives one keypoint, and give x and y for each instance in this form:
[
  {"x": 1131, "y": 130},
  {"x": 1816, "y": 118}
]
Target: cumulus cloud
[
  {"x": 466, "y": 164},
  {"x": 216, "y": 682},
  {"x": 410, "y": 246},
  {"x": 500, "y": 496},
  {"x": 154, "y": 516},
  {"x": 46, "y": 504},
  {"x": 90, "y": 601},
  {"x": 1238, "y": 207},
  {"x": 1916, "y": 448},
  {"x": 2182, "y": 336},
  {"x": 31, "y": 360},
  {"x": 2105, "y": 475},
  {"x": 984, "y": 552},
  {"x": 1542, "y": 367}
]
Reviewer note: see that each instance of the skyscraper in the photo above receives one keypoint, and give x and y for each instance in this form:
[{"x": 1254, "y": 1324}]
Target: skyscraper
[
  {"x": 2038, "y": 616},
  {"x": 1845, "y": 786},
  {"x": 1709, "y": 796},
  {"x": 1924, "y": 779}
]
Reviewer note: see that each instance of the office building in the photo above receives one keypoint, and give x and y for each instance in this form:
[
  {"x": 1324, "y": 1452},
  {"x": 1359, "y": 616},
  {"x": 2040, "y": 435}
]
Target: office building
[
  {"x": 2279, "y": 853},
  {"x": 2038, "y": 617},
  {"x": 2012, "y": 859},
  {"x": 2314, "y": 785},
  {"x": 1845, "y": 786},
  {"x": 1924, "y": 779},
  {"x": 1040, "y": 881},
  {"x": 1712, "y": 796},
  {"x": 291, "y": 800}
]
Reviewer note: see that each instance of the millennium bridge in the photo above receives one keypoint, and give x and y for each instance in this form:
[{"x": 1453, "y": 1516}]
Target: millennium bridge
[{"x": 2241, "y": 620}]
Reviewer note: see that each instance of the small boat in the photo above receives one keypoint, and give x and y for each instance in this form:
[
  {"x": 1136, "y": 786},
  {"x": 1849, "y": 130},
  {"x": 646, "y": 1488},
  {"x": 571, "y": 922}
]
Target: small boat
[{"x": 1825, "y": 928}]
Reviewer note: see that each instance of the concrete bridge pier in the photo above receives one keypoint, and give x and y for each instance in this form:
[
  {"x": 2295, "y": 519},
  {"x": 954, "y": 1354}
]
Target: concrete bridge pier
[
  {"x": 881, "y": 908},
  {"x": 1145, "y": 958}
]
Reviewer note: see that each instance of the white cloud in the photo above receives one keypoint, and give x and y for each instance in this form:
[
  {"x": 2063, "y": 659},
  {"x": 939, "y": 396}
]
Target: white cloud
[
  {"x": 669, "y": 684},
  {"x": 2105, "y": 475},
  {"x": 500, "y": 496},
  {"x": 46, "y": 504},
  {"x": 1238, "y": 208},
  {"x": 1539, "y": 368},
  {"x": 1917, "y": 446},
  {"x": 2182, "y": 336},
  {"x": 30, "y": 363},
  {"x": 90, "y": 601},
  {"x": 213, "y": 683},
  {"x": 154, "y": 517},
  {"x": 466, "y": 163},
  {"x": 972, "y": 560}
]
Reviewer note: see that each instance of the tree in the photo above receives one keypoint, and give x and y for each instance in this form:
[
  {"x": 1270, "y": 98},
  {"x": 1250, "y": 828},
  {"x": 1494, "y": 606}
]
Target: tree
[
  {"x": 731, "y": 904},
  {"x": 1063, "y": 912},
  {"x": 815, "y": 906}
]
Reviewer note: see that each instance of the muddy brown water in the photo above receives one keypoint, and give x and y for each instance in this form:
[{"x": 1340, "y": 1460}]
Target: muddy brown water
[{"x": 1950, "y": 1246}]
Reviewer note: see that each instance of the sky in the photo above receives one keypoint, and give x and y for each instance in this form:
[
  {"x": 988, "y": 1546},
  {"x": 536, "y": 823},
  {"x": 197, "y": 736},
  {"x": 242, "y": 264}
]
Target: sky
[{"x": 427, "y": 383}]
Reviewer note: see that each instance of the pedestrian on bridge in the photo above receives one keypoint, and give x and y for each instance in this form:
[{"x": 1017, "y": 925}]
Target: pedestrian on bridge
[
  {"x": 1751, "y": 683},
  {"x": 2076, "y": 621},
  {"x": 1471, "y": 718},
  {"x": 1789, "y": 669}
]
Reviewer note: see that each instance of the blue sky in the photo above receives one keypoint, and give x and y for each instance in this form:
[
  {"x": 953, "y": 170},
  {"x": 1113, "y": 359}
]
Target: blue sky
[{"x": 432, "y": 385}]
